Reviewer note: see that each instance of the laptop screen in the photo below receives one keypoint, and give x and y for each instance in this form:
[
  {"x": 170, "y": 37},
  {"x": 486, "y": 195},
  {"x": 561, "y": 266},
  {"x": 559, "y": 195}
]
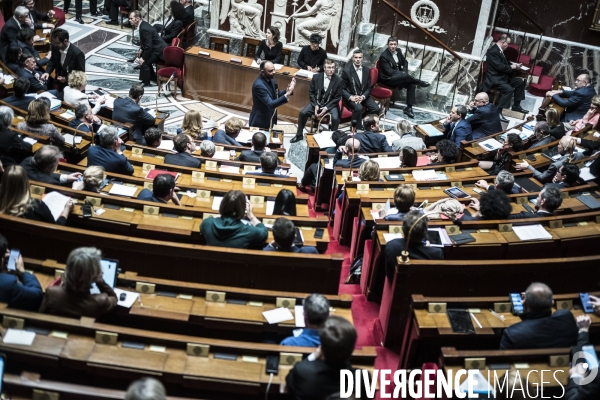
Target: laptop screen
[{"x": 109, "y": 271}]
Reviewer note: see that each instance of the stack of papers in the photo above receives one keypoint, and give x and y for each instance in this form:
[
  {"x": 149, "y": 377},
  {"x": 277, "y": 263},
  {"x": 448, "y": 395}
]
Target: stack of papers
[
  {"x": 69, "y": 138},
  {"x": 278, "y": 315},
  {"x": 324, "y": 139},
  {"x": 304, "y": 73},
  {"x": 32, "y": 141},
  {"x": 56, "y": 202},
  {"x": 221, "y": 155},
  {"x": 68, "y": 114},
  {"x": 532, "y": 232},
  {"x": 122, "y": 190},
  {"x": 586, "y": 175},
  {"x": 490, "y": 144},
  {"x": 8, "y": 79},
  {"x": 231, "y": 169},
  {"x": 431, "y": 130},
  {"x": 245, "y": 136},
  {"x": 426, "y": 175},
  {"x": 166, "y": 145}
]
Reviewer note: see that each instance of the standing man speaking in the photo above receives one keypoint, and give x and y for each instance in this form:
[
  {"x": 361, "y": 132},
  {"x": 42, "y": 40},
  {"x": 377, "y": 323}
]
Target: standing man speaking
[{"x": 266, "y": 97}]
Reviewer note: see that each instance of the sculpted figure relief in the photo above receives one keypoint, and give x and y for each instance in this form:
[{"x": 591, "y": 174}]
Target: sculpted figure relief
[
  {"x": 326, "y": 15},
  {"x": 244, "y": 17}
]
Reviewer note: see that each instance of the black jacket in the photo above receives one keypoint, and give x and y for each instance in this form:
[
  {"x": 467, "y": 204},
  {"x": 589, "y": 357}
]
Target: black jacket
[
  {"x": 150, "y": 42},
  {"x": 308, "y": 58},
  {"x": 172, "y": 30},
  {"x": 126, "y": 110},
  {"x": 498, "y": 68},
  {"x": 74, "y": 61},
  {"x": 21, "y": 104},
  {"x": 352, "y": 85},
  {"x": 388, "y": 67},
  {"x": 485, "y": 121},
  {"x": 418, "y": 252},
  {"x": 189, "y": 15},
  {"x": 13, "y": 149},
  {"x": 29, "y": 48},
  {"x": 330, "y": 98},
  {"x": 541, "y": 330},
  {"x": 35, "y": 174},
  {"x": 109, "y": 159},
  {"x": 37, "y": 18},
  {"x": 338, "y": 162},
  {"x": 34, "y": 83},
  {"x": 252, "y": 156},
  {"x": 372, "y": 142},
  {"x": 576, "y": 102},
  {"x": 184, "y": 159},
  {"x": 527, "y": 214},
  {"x": 9, "y": 33},
  {"x": 316, "y": 380},
  {"x": 593, "y": 145}
]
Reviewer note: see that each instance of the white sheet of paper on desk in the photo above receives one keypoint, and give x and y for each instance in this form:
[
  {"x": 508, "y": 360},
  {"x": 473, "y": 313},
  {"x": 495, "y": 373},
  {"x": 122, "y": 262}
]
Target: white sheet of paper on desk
[
  {"x": 152, "y": 112},
  {"x": 278, "y": 315},
  {"x": 209, "y": 124},
  {"x": 391, "y": 236},
  {"x": 69, "y": 138},
  {"x": 586, "y": 175},
  {"x": 566, "y": 88},
  {"x": 46, "y": 94},
  {"x": 431, "y": 130},
  {"x": 299, "y": 315},
  {"x": 48, "y": 30},
  {"x": 216, "y": 204},
  {"x": 304, "y": 73},
  {"x": 130, "y": 298},
  {"x": 122, "y": 190},
  {"x": 391, "y": 136},
  {"x": 8, "y": 79},
  {"x": 166, "y": 145},
  {"x": 18, "y": 336},
  {"x": 221, "y": 155},
  {"x": 67, "y": 115},
  {"x": 275, "y": 140},
  {"x": 490, "y": 144},
  {"x": 270, "y": 207},
  {"x": 56, "y": 203},
  {"x": 230, "y": 169},
  {"x": 110, "y": 102},
  {"x": 532, "y": 232},
  {"x": 425, "y": 175},
  {"x": 387, "y": 162},
  {"x": 324, "y": 139},
  {"x": 255, "y": 64},
  {"x": 278, "y": 66},
  {"x": 245, "y": 136},
  {"x": 29, "y": 140}
]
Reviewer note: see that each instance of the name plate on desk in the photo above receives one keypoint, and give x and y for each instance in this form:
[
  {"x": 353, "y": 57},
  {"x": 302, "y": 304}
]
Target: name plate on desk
[
  {"x": 249, "y": 182},
  {"x": 148, "y": 167},
  {"x": 235, "y": 60},
  {"x": 203, "y": 195},
  {"x": 449, "y": 169},
  {"x": 211, "y": 165},
  {"x": 249, "y": 168},
  {"x": 204, "y": 53},
  {"x": 363, "y": 187},
  {"x": 137, "y": 151},
  {"x": 257, "y": 200},
  {"x": 151, "y": 210},
  {"x": 148, "y": 185},
  {"x": 198, "y": 350},
  {"x": 219, "y": 148},
  {"x": 198, "y": 175},
  {"x": 39, "y": 190}
]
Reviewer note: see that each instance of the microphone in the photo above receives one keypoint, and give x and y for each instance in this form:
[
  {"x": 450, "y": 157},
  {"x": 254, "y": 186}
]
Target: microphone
[{"x": 274, "y": 111}]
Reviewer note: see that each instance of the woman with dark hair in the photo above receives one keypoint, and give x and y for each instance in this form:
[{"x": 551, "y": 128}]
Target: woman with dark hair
[
  {"x": 271, "y": 47},
  {"x": 285, "y": 203},
  {"x": 512, "y": 142},
  {"x": 174, "y": 24},
  {"x": 13, "y": 55},
  {"x": 73, "y": 298},
  {"x": 408, "y": 157},
  {"x": 229, "y": 230},
  {"x": 494, "y": 204}
]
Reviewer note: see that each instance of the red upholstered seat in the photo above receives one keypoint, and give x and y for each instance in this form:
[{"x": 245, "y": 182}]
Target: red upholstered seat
[
  {"x": 381, "y": 92},
  {"x": 544, "y": 84},
  {"x": 168, "y": 71},
  {"x": 536, "y": 70},
  {"x": 525, "y": 59},
  {"x": 378, "y": 93},
  {"x": 346, "y": 114},
  {"x": 173, "y": 57},
  {"x": 59, "y": 14},
  {"x": 175, "y": 42}
]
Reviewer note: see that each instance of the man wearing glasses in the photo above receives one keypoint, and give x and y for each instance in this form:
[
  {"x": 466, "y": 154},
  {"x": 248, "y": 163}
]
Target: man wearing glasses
[
  {"x": 484, "y": 117},
  {"x": 576, "y": 102}
]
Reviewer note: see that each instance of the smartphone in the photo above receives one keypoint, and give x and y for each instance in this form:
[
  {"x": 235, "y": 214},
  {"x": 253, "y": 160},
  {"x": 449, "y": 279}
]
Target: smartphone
[
  {"x": 272, "y": 364},
  {"x": 586, "y": 303},
  {"x": 319, "y": 233},
  {"x": 479, "y": 191},
  {"x": 2, "y": 359},
  {"x": 527, "y": 207},
  {"x": 12, "y": 259},
  {"x": 86, "y": 209},
  {"x": 531, "y": 157},
  {"x": 590, "y": 356},
  {"x": 517, "y": 304}
]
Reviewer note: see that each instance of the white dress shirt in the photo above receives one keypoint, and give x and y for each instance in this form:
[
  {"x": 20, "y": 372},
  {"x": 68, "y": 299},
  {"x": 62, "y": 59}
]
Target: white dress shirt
[
  {"x": 63, "y": 54},
  {"x": 326, "y": 82},
  {"x": 358, "y": 72},
  {"x": 395, "y": 56}
]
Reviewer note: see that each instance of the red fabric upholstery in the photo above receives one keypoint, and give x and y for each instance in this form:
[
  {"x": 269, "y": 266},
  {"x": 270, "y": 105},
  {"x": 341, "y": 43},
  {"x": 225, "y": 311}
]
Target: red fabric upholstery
[
  {"x": 374, "y": 75},
  {"x": 525, "y": 59},
  {"x": 544, "y": 84},
  {"x": 168, "y": 71},
  {"x": 59, "y": 14},
  {"x": 511, "y": 54},
  {"x": 175, "y": 42},
  {"x": 381, "y": 92},
  {"x": 536, "y": 70},
  {"x": 1, "y": 20},
  {"x": 173, "y": 57},
  {"x": 346, "y": 114}
]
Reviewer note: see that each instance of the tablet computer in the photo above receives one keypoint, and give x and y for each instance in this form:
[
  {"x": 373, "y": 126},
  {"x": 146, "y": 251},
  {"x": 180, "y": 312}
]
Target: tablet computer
[
  {"x": 457, "y": 193},
  {"x": 109, "y": 271}
]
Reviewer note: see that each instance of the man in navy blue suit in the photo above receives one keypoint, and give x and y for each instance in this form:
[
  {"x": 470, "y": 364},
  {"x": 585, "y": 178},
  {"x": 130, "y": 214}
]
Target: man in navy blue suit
[
  {"x": 107, "y": 153},
  {"x": 266, "y": 97},
  {"x": 370, "y": 140},
  {"x": 577, "y": 102},
  {"x": 128, "y": 110},
  {"x": 456, "y": 129},
  {"x": 85, "y": 119},
  {"x": 19, "y": 99},
  {"x": 484, "y": 118},
  {"x": 18, "y": 288}
]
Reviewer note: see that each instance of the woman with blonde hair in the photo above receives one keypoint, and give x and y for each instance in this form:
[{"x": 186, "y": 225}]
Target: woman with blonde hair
[
  {"x": 38, "y": 121},
  {"x": 590, "y": 117},
  {"x": 233, "y": 126},
  {"x": 369, "y": 171},
  {"x": 557, "y": 129},
  {"x": 91, "y": 180},
  {"x": 407, "y": 137},
  {"x": 73, "y": 298},
  {"x": 16, "y": 200},
  {"x": 75, "y": 92},
  {"x": 192, "y": 125}
]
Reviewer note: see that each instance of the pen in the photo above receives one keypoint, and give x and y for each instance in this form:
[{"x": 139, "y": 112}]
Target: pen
[
  {"x": 495, "y": 314},
  {"x": 478, "y": 324}
]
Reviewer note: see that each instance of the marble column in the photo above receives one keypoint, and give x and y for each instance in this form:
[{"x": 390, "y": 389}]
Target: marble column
[
  {"x": 346, "y": 32},
  {"x": 482, "y": 26}
]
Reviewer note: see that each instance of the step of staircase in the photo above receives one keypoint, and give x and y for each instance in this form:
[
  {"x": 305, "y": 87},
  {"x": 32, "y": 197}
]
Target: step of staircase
[
  {"x": 425, "y": 75},
  {"x": 443, "y": 89},
  {"x": 413, "y": 64}
]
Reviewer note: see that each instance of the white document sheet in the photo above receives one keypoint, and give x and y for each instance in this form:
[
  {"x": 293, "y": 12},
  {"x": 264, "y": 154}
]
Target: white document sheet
[
  {"x": 166, "y": 145},
  {"x": 221, "y": 155},
  {"x": 425, "y": 175},
  {"x": 209, "y": 124},
  {"x": 391, "y": 236},
  {"x": 391, "y": 136},
  {"x": 278, "y": 315},
  {"x": 29, "y": 140},
  {"x": 299, "y": 315},
  {"x": 387, "y": 162},
  {"x": 19, "y": 336},
  {"x": 8, "y": 79},
  {"x": 245, "y": 136},
  {"x": 532, "y": 232},
  {"x": 324, "y": 139},
  {"x": 230, "y": 169},
  {"x": 46, "y": 94},
  {"x": 130, "y": 298},
  {"x": 69, "y": 138},
  {"x": 431, "y": 130},
  {"x": 217, "y": 202},
  {"x": 270, "y": 207},
  {"x": 586, "y": 175},
  {"x": 122, "y": 190},
  {"x": 110, "y": 102},
  {"x": 56, "y": 203},
  {"x": 490, "y": 144}
]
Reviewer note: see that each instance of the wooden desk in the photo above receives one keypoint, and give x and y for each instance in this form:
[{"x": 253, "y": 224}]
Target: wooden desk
[
  {"x": 430, "y": 140},
  {"x": 218, "y": 80}
]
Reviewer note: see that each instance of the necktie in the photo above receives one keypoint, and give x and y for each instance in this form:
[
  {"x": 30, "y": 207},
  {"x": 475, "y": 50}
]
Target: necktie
[
  {"x": 63, "y": 55},
  {"x": 359, "y": 73}
]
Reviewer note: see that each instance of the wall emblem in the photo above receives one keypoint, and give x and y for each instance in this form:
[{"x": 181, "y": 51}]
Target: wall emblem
[{"x": 426, "y": 14}]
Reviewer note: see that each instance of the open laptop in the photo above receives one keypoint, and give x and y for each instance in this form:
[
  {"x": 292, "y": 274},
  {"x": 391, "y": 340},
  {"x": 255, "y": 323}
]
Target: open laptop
[{"x": 109, "y": 274}]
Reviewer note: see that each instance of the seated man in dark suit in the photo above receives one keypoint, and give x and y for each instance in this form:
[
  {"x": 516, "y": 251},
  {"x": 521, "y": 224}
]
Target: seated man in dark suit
[
  {"x": 36, "y": 17},
  {"x": 484, "y": 117},
  {"x": 85, "y": 119},
  {"x": 185, "y": 146},
  {"x": 320, "y": 378},
  {"x": 418, "y": 248},
  {"x": 456, "y": 128},
  {"x": 370, "y": 140},
  {"x": 357, "y": 89},
  {"x": 539, "y": 328},
  {"x": 163, "y": 190},
  {"x": 13, "y": 149},
  {"x": 393, "y": 72},
  {"x": 504, "y": 181},
  {"x": 259, "y": 142},
  {"x": 108, "y": 153},
  {"x": 577, "y": 101},
  {"x": 351, "y": 149},
  {"x": 189, "y": 12},
  {"x": 153, "y": 137},
  {"x": 500, "y": 77},
  {"x": 74, "y": 59},
  {"x": 11, "y": 29},
  {"x": 284, "y": 233},
  {"x": 128, "y": 110},
  {"x": 548, "y": 200},
  {"x": 25, "y": 42},
  {"x": 19, "y": 99},
  {"x": 542, "y": 135},
  {"x": 20, "y": 289},
  {"x": 494, "y": 204},
  {"x": 27, "y": 70},
  {"x": 566, "y": 176},
  {"x": 42, "y": 165},
  {"x": 268, "y": 164}
]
